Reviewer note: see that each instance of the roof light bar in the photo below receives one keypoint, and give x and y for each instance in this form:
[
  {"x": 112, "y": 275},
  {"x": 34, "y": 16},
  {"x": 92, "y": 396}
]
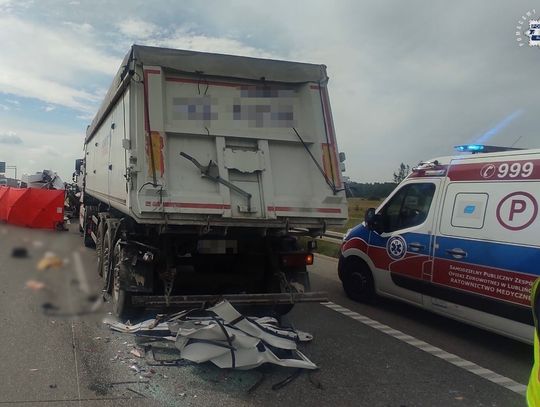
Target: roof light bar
[{"x": 481, "y": 148}]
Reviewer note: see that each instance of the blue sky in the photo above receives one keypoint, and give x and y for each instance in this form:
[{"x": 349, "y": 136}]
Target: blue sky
[{"x": 408, "y": 80}]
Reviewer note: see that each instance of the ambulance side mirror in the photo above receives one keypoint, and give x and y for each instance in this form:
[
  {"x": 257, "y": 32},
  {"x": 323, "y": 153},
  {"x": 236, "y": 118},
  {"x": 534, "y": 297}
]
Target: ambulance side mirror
[{"x": 373, "y": 220}]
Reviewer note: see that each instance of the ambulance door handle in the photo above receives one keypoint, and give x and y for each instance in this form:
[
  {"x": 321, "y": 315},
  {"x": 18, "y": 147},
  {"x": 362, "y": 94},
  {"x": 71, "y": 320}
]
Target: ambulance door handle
[
  {"x": 457, "y": 253},
  {"x": 416, "y": 247}
]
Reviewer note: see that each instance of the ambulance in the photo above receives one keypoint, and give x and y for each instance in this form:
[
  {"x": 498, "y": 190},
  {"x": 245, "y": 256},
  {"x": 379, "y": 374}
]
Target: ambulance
[{"x": 460, "y": 236}]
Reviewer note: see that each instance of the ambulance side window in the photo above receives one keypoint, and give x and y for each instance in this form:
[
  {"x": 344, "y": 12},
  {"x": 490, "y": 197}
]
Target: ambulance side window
[{"x": 408, "y": 207}]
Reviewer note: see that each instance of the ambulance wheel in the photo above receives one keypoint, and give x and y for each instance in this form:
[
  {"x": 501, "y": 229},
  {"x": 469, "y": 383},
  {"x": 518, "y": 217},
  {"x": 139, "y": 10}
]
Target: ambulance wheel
[{"x": 357, "y": 280}]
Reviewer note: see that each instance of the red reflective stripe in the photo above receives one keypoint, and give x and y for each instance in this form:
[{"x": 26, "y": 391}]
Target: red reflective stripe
[
  {"x": 336, "y": 172},
  {"x": 204, "y": 82},
  {"x": 297, "y": 209},
  {"x": 152, "y": 71},
  {"x": 145, "y": 95},
  {"x": 329, "y": 121},
  {"x": 190, "y": 205}
]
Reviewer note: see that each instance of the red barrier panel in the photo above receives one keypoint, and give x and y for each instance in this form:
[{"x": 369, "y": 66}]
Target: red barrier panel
[{"x": 32, "y": 207}]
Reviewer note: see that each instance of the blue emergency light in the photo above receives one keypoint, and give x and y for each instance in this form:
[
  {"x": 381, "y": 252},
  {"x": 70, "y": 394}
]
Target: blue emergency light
[
  {"x": 481, "y": 148},
  {"x": 470, "y": 148}
]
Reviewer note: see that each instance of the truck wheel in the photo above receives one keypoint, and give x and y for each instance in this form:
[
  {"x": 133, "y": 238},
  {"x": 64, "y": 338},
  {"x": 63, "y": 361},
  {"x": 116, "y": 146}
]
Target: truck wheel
[
  {"x": 99, "y": 247},
  {"x": 88, "y": 241},
  {"x": 357, "y": 280},
  {"x": 121, "y": 299}
]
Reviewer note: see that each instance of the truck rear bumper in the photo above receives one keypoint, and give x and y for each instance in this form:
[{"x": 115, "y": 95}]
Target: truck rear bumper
[{"x": 239, "y": 299}]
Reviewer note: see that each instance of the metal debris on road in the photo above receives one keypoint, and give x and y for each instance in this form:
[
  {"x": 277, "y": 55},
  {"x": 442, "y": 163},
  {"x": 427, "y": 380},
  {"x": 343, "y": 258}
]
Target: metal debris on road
[
  {"x": 135, "y": 368},
  {"x": 225, "y": 337}
]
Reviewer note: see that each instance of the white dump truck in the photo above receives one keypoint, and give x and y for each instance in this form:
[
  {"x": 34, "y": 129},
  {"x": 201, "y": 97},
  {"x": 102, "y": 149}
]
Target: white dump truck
[{"x": 199, "y": 170}]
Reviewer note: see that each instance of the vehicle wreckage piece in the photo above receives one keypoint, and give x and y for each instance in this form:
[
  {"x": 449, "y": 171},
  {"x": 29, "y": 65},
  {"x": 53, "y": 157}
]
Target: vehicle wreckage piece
[
  {"x": 230, "y": 347},
  {"x": 251, "y": 358},
  {"x": 279, "y": 338},
  {"x": 225, "y": 337},
  {"x": 144, "y": 326},
  {"x": 244, "y": 358}
]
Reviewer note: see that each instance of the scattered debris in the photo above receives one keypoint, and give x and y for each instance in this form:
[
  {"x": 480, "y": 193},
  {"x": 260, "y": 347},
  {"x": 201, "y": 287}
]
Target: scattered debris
[
  {"x": 37, "y": 243},
  {"x": 136, "y": 392},
  {"x": 19, "y": 252},
  {"x": 49, "y": 260},
  {"x": 287, "y": 380},
  {"x": 256, "y": 385},
  {"x": 33, "y": 370},
  {"x": 35, "y": 285},
  {"x": 137, "y": 352},
  {"x": 225, "y": 337},
  {"x": 53, "y": 386},
  {"x": 129, "y": 382},
  {"x": 47, "y": 306}
]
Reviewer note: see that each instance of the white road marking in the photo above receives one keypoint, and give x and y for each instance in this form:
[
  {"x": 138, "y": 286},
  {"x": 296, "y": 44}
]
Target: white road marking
[
  {"x": 471, "y": 367},
  {"x": 79, "y": 269}
]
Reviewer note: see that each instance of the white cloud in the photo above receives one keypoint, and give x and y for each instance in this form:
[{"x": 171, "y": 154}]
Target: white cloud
[
  {"x": 137, "y": 29},
  {"x": 10, "y": 138},
  {"x": 13, "y": 81},
  {"x": 199, "y": 42},
  {"x": 4, "y": 107},
  {"x": 49, "y": 108},
  {"x": 83, "y": 28},
  {"x": 46, "y": 148},
  {"x": 48, "y": 63}
]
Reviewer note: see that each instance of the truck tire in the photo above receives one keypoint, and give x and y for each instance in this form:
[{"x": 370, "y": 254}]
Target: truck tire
[
  {"x": 88, "y": 241},
  {"x": 121, "y": 299},
  {"x": 357, "y": 280},
  {"x": 99, "y": 247}
]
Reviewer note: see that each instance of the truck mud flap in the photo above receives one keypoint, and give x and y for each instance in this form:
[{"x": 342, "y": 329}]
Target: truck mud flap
[{"x": 239, "y": 299}]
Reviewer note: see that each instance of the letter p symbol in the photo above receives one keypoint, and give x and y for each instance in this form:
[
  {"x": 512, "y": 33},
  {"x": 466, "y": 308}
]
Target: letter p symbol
[{"x": 517, "y": 206}]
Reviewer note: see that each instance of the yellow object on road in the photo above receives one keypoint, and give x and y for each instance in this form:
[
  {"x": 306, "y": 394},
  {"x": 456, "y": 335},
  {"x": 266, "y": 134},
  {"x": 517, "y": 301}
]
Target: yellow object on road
[
  {"x": 49, "y": 260},
  {"x": 533, "y": 389}
]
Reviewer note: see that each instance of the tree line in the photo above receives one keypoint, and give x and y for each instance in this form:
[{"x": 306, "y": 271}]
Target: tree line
[{"x": 376, "y": 190}]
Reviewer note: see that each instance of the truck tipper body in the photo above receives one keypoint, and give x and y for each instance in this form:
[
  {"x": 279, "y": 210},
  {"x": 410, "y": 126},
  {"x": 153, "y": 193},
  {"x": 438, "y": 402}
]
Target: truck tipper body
[{"x": 197, "y": 167}]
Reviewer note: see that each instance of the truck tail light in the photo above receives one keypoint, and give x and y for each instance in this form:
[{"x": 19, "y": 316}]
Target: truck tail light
[{"x": 296, "y": 259}]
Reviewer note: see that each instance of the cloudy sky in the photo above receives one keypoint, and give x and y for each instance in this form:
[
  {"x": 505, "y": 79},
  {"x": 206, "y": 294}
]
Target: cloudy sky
[{"x": 408, "y": 79}]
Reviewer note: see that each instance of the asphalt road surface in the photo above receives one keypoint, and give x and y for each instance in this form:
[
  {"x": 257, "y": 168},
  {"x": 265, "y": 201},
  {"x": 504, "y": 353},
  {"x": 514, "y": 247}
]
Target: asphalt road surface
[{"x": 55, "y": 349}]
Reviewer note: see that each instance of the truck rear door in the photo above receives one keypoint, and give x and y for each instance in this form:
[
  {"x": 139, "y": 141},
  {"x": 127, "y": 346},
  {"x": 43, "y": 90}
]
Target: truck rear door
[{"x": 243, "y": 134}]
